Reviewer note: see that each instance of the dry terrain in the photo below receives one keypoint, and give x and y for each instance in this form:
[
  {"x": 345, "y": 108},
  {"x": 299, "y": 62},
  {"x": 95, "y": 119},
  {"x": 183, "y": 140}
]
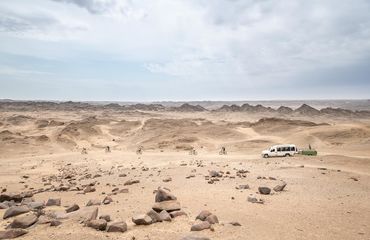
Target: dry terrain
[{"x": 325, "y": 197}]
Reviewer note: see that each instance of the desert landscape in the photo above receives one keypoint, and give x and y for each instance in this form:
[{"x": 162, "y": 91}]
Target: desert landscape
[{"x": 73, "y": 170}]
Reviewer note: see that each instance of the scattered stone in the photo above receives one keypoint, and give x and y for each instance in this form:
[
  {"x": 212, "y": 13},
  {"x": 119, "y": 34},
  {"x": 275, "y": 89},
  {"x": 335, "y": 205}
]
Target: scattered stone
[
  {"x": 280, "y": 187},
  {"x": 212, "y": 219},
  {"x": 264, "y": 190},
  {"x": 169, "y": 179},
  {"x": 89, "y": 189},
  {"x": 12, "y": 233},
  {"x": 214, "y": 173},
  {"x": 117, "y": 227},
  {"x": 55, "y": 223},
  {"x": 44, "y": 219},
  {"x": 14, "y": 211},
  {"x": 85, "y": 214},
  {"x": 130, "y": 182},
  {"x": 203, "y": 215},
  {"x": 253, "y": 199},
  {"x": 93, "y": 202},
  {"x": 106, "y": 217},
  {"x": 72, "y": 208},
  {"x": 190, "y": 237},
  {"x": 169, "y": 206},
  {"x": 245, "y": 186},
  {"x": 23, "y": 221},
  {"x": 237, "y": 224},
  {"x": 154, "y": 216},
  {"x": 200, "y": 225},
  {"x": 165, "y": 216},
  {"x": 98, "y": 224},
  {"x": 53, "y": 202},
  {"x": 107, "y": 200},
  {"x": 164, "y": 195},
  {"x": 177, "y": 214},
  {"x": 36, "y": 205},
  {"x": 354, "y": 179},
  {"x": 122, "y": 175},
  {"x": 142, "y": 219}
]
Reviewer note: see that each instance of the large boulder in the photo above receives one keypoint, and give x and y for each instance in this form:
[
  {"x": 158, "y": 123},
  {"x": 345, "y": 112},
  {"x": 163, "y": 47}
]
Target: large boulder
[
  {"x": 142, "y": 219},
  {"x": 15, "y": 210},
  {"x": 212, "y": 219},
  {"x": 169, "y": 206},
  {"x": 164, "y": 195},
  {"x": 177, "y": 214},
  {"x": 12, "y": 233},
  {"x": 23, "y": 221}
]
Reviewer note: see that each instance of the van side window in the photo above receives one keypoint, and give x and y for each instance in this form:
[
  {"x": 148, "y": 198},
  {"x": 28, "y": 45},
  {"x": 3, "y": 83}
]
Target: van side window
[
  {"x": 273, "y": 150},
  {"x": 279, "y": 149},
  {"x": 292, "y": 148}
]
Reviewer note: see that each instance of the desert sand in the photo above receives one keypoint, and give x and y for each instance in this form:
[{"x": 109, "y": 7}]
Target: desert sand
[{"x": 325, "y": 197}]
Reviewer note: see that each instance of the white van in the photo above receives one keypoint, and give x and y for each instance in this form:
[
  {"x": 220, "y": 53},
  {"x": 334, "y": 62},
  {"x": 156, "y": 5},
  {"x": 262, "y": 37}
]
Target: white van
[{"x": 285, "y": 150}]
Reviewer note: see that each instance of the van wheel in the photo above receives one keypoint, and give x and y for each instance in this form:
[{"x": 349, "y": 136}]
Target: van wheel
[
  {"x": 266, "y": 156},
  {"x": 287, "y": 155}
]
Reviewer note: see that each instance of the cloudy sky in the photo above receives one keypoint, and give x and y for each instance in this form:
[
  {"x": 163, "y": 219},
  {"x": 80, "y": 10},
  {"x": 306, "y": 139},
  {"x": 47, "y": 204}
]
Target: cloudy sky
[{"x": 143, "y": 50}]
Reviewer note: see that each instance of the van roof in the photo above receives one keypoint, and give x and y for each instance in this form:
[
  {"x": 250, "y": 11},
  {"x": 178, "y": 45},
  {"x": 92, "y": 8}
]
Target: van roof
[{"x": 284, "y": 145}]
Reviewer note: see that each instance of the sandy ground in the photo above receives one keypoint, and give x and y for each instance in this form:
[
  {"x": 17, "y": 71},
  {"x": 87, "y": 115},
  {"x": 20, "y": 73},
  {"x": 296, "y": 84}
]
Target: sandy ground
[{"x": 322, "y": 199}]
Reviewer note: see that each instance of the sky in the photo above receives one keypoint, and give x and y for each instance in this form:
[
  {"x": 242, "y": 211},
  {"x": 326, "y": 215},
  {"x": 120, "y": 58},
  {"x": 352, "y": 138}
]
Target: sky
[{"x": 182, "y": 50}]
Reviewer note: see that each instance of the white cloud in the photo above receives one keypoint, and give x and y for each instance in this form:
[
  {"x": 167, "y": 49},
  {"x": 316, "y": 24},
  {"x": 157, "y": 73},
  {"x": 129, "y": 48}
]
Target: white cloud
[{"x": 243, "y": 41}]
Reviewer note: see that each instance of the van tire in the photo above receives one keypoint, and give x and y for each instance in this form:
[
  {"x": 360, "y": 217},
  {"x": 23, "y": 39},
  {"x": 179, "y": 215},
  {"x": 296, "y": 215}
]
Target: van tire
[
  {"x": 266, "y": 156},
  {"x": 287, "y": 155}
]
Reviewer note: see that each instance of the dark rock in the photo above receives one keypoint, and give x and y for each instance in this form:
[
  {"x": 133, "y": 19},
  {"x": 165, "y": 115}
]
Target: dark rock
[
  {"x": 23, "y": 221},
  {"x": 203, "y": 215},
  {"x": 142, "y": 219},
  {"x": 200, "y": 225},
  {"x": 169, "y": 206},
  {"x": 55, "y": 223},
  {"x": 264, "y": 190},
  {"x": 93, "y": 202},
  {"x": 14, "y": 211},
  {"x": 154, "y": 216},
  {"x": 130, "y": 182},
  {"x": 117, "y": 227},
  {"x": 53, "y": 202},
  {"x": 164, "y": 195},
  {"x": 12, "y": 233},
  {"x": 212, "y": 219},
  {"x": 106, "y": 217},
  {"x": 72, "y": 208},
  {"x": 177, "y": 214},
  {"x": 237, "y": 224},
  {"x": 280, "y": 187},
  {"x": 165, "y": 216},
  {"x": 107, "y": 200},
  {"x": 98, "y": 224}
]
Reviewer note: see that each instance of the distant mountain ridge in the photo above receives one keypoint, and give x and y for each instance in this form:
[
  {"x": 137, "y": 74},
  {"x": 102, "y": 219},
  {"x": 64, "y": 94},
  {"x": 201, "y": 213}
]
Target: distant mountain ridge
[{"x": 304, "y": 109}]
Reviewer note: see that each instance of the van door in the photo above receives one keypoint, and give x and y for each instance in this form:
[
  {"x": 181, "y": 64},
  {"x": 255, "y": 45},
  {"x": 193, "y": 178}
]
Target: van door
[
  {"x": 273, "y": 152},
  {"x": 280, "y": 152}
]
